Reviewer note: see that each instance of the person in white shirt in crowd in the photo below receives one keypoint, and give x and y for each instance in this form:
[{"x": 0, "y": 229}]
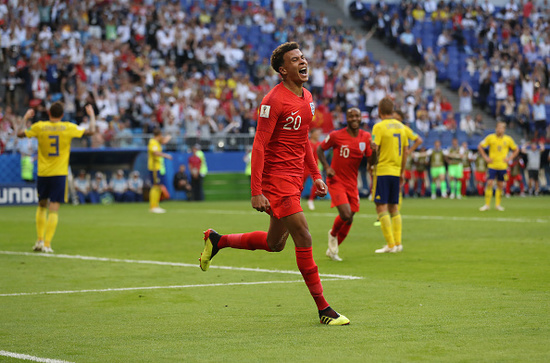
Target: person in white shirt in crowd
[
  {"x": 533, "y": 152},
  {"x": 99, "y": 189},
  {"x": 82, "y": 187},
  {"x": 501, "y": 93},
  {"x": 467, "y": 124},
  {"x": 119, "y": 186},
  {"x": 466, "y": 94},
  {"x": 135, "y": 187}
]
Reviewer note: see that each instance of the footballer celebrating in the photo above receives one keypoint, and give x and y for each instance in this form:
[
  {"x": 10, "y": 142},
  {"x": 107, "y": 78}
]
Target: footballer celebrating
[
  {"x": 349, "y": 146},
  {"x": 54, "y": 148},
  {"x": 280, "y": 153}
]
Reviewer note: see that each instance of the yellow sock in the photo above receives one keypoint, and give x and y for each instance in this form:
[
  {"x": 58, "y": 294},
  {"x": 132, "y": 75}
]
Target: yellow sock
[
  {"x": 40, "y": 223},
  {"x": 385, "y": 225},
  {"x": 488, "y": 195},
  {"x": 51, "y": 225},
  {"x": 396, "y": 227},
  {"x": 498, "y": 196},
  {"x": 154, "y": 196}
]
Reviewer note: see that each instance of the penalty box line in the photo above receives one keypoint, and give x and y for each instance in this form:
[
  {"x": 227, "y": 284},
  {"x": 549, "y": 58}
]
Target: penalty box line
[
  {"x": 157, "y": 287},
  {"x": 178, "y": 264},
  {"x": 324, "y": 277},
  {"x": 32, "y": 358}
]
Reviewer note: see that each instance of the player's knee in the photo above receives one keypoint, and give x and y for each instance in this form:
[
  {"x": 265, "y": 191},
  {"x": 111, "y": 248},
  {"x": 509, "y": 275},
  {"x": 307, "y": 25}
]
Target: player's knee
[
  {"x": 302, "y": 238},
  {"x": 347, "y": 217}
]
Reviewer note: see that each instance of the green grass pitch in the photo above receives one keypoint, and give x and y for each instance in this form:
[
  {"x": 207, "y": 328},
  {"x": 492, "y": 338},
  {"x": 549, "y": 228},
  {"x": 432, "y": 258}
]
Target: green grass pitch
[{"x": 468, "y": 287}]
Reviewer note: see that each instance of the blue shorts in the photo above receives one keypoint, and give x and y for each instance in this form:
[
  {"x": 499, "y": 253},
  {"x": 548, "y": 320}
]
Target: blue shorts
[
  {"x": 496, "y": 174},
  {"x": 156, "y": 178},
  {"x": 386, "y": 189},
  {"x": 53, "y": 188}
]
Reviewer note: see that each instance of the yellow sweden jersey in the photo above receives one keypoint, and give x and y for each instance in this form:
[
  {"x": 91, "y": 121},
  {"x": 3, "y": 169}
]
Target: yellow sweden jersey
[
  {"x": 54, "y": 145},
  {"x": 390, "y": 137},
  {"x": 153, "y": 162},
  {"x": 498, "y": 150}
]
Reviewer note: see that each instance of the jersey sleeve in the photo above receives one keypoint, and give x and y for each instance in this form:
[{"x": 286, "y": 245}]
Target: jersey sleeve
[
  {"x": 485, "y": 142},
  {"x": 269, "y": 114},
  {"x": 311, "y": 164},
  {"x": 76, "y": 131},
  {"x": 33, "y": 131},
  {"x": 376, "y": 134},
  {"x": 328, "y": 142},
  {"x": 411, "y": 135},
  {"x": 513, "y": 145},
  {"x": 368, "y": 149}
]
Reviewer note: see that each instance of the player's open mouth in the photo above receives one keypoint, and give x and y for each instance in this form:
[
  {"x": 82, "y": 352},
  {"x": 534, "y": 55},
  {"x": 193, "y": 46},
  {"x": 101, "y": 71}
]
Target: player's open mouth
[{"x": 303, "y": 71}]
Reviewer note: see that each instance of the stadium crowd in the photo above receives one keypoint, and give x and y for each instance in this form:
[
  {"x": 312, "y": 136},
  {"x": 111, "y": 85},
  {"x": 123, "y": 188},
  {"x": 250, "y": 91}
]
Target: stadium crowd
[
  {"x": 199, "y": 69},
  {"x": 500, "y": 54}
]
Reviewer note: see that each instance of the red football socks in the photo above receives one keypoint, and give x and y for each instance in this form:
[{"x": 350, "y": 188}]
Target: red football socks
[
  {"x": 310, "y": 273},
  {"x": 245, "y": 241},
  {"x": 343, "y": 232},
  {"x": 338, "y": 223}
]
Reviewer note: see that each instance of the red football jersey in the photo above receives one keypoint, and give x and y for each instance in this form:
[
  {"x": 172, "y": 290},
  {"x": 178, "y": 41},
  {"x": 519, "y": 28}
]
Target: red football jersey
[
  {"x": 348, "y": 151},
  {"x": 281, "y": 145}
]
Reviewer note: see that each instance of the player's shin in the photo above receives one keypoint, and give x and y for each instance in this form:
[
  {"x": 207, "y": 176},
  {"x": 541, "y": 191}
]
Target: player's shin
[
  {"x": 154, "y": 196},
  {"x": 488, "y": 195},
  {"x": 498, "y": 196},
  {"x": 386, "y": 226},
  {"x": 396, "y": 226},
  {"x": 343, "y": 232},
  {"x": 338, "y": 223},
  {"x": 310, "y": 273},
  {"x": 245, "y": 241},
  {"x": 51, "y": 226},
  {"x": 40, "y": 223}
]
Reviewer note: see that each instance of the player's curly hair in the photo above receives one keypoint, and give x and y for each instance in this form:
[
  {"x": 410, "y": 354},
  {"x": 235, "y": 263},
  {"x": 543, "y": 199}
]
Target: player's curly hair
[
  {"x": 56, "y": 109},
  {"x": 277, "y": 57}
]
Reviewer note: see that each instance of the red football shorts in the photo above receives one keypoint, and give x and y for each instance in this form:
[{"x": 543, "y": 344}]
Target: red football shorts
[
  {"x": 339, "y": 195},
  {"x": 419, "y": 174},
  {"x": 283, "y": 193},
  {"x": 407, "y": 175},
  {"x": 480, "y": 176}
]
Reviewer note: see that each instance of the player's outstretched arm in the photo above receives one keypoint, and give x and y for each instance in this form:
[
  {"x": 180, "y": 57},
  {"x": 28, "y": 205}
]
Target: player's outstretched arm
[
  {"x": 91, "y": 115},
  {"x": 21, "y": 125}
]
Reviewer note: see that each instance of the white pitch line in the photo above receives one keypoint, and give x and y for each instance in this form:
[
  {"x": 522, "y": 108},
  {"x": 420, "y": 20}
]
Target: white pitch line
[
  {"x": 30, "y": 357},
  {"x": 163, "y": 263},
  {"x": 157, "y": 287},
  {"x": 404, "y": 216}
]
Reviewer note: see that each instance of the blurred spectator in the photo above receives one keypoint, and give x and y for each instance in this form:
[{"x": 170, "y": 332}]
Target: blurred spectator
[
  {"x": 135, "y": 187},
  {"x": 450, "y": 122},
  {"x": 195, "y": 166},
  {"x": 27, "y": 148},
  {"x": 533, "y": 152},
  {"x": 539, "y": 118},
  {"x": 466, "y": 94},
  {"x": 181, "y": 182},
  {"x": 99, "y": 189},
  {"x": 11, "y": 83},
  {"x": 119, "y": 186},
  {"x": 82, "y": 186},
  {"x": 468, "y": 125}
]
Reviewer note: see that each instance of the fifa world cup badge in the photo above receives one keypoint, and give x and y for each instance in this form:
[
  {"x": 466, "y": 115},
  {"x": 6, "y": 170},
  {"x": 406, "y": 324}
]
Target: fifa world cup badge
[
  {"x": 264, "y": 111},
  {"x": 312, "y": 105}
]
